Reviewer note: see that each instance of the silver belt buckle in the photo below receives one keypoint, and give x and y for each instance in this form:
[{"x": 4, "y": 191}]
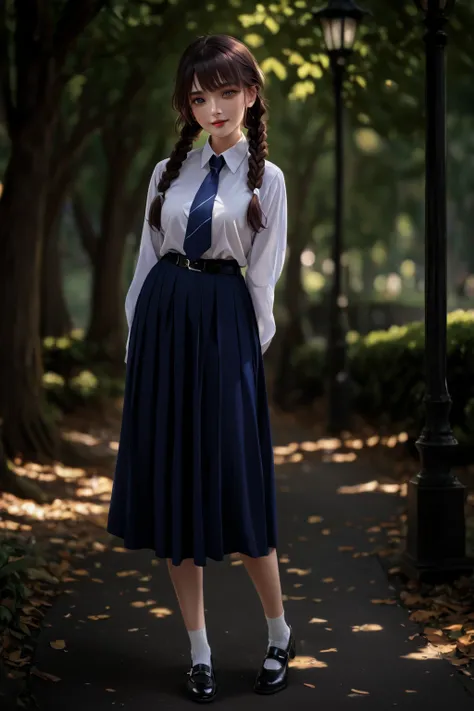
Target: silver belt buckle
[{"x": 188, "y": 266}]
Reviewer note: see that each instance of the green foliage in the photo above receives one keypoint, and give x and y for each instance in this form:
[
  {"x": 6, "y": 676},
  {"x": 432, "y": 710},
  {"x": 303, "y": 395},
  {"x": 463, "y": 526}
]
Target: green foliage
[
  {"x": 73, "y": 374},
  {"x": 17, "y": 558},
  {"x": 308, "y": 365},
  {"x": 387, "y": 371}
]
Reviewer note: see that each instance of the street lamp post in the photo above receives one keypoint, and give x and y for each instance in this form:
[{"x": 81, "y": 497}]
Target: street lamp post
[
  {"x": 339, "y": 20},
  {"x": 435, "y": 548}
]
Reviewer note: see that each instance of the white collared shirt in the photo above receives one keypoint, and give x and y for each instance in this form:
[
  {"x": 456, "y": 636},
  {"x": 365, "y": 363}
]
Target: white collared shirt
[{"x": 231, "y": 235}]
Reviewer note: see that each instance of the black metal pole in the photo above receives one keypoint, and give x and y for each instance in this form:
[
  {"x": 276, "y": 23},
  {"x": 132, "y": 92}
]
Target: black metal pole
[
  {"x": 338, "y": 385},
  {"x": 435, "y": 548}
]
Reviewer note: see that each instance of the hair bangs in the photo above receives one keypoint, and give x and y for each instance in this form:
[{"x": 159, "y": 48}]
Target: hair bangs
[{"x": 217, "y": 71}]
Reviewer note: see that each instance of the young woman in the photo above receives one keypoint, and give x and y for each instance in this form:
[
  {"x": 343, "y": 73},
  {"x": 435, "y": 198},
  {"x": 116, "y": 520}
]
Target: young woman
[{"x": 194, "y": 476}]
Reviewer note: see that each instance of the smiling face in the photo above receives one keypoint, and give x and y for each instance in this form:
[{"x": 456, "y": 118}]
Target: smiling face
[{"x": 227, "y": 103}]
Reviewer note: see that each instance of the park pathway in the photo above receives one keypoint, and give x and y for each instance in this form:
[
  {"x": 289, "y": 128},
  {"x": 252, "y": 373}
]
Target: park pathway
[{"x": 350, "y": 651}]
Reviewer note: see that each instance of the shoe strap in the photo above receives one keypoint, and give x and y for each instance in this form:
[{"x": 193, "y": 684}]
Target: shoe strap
[
  {"x": 276, "y": 653},
  {"x": 201, "y": 669}
]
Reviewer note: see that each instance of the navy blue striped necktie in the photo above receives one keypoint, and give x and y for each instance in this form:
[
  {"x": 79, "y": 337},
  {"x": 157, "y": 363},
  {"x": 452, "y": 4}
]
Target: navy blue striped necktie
[{"x": 198, "y": 231}]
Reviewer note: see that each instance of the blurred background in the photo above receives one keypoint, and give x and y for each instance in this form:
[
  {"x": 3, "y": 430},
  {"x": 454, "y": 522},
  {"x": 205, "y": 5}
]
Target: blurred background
[{"x": 87, "y": 115}]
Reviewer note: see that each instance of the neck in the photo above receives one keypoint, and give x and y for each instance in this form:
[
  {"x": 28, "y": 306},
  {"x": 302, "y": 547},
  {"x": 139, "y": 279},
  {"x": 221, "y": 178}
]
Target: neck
[{"x": 219, "y": 145}]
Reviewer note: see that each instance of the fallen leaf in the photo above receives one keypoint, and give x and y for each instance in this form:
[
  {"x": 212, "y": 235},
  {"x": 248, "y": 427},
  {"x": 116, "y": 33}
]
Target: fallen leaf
[
  {"x": 460, "y": 662},
  {"x": 44, "y": 675},
  {"x": 422, "y": 615},
  {"x": 358, "y": 691},
  {"x": 126, "y": 573},
  {"x": 384, "y": 601},
  {"x": 58, "y": 644}
]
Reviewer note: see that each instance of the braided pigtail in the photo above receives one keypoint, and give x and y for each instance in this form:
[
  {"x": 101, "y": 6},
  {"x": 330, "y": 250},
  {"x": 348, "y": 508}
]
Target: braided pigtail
[
  {"x": 189, "y": 133},
  {"x": 258, "y": 149}
]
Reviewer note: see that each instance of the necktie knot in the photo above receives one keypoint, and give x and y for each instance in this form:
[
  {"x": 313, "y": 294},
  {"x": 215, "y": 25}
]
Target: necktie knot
[{"x": 216, "y": 163}]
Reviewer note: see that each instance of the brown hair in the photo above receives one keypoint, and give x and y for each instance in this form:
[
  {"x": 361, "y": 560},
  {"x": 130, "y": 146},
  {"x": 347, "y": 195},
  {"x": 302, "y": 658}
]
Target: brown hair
[{"x": 217, "y": 60}]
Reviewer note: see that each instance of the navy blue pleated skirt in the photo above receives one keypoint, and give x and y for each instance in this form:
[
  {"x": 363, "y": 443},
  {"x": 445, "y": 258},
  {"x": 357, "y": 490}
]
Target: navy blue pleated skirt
[{"x": 194, "y": 475}]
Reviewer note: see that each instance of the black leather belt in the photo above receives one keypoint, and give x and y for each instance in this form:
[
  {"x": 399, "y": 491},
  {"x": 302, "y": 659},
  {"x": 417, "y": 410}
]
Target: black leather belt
[{"x": 212, "y": 266}]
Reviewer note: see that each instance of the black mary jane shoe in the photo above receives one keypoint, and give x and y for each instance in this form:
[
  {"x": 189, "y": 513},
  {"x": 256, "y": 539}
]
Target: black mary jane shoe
[
  {"x": 201, "y": 683},
  {"x": 269, "y": 681}
]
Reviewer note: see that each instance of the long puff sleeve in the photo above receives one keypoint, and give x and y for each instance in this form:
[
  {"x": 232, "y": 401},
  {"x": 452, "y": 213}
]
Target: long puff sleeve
[
  {"x": 267, "y": 256},
  {"x": 150, "y": 243}
]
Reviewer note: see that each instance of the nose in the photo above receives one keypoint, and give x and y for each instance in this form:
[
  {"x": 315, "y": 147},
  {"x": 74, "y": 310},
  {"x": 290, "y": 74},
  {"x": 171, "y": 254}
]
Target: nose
[{"x": 215, "y": 107}]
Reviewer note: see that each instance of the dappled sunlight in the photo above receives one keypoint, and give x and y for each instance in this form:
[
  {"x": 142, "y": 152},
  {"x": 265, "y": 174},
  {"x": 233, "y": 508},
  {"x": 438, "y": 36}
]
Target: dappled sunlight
[
  {"x": 369, "y": 627},
  {"x": 306, "y": 662},
  {"x": 81, "y": 437},
  {"x": 74, "y": 517},
  {"x": 102, "y": 441},
  {"x": 339, "y": 458},
  {"x": 59, "y": 510},
  {"x": 161, "y": 612},
  {"x": 40, "y": 472},
  {"x": 423, "y": 653},
  {"x": 76, "y": 503},
  {"x": 334, "y": 449},
  {"x": 374, "y": 486}
]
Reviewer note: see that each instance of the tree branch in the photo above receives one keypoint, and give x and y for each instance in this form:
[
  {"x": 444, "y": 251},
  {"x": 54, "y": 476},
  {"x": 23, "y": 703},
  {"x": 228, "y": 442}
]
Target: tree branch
[
  {"x": 136, "y": 194},
  {"x": 74, "y": 19},
  {"x": 117, "y": 129},
  {"x": 134, "y": 201},
  {"x": 69, "y": 148},
  {"x": 85, "y": 228}
]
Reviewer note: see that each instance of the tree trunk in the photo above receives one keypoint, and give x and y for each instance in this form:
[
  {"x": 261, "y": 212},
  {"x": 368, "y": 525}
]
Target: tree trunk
[
  {"x": 107, "y": 323},
  {"x": 84, "y": 226},
  {"x": 22, "y": 207},
  {"x": 294, "y": 290},
  {"x": 119, "y": 216},
  {"x": 55, "y": 317},
  {"x": 32, "y": 84}
]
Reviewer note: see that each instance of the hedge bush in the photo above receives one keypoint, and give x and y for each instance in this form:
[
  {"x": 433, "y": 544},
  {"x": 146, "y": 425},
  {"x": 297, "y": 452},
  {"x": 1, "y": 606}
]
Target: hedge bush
[
  {"x": 74, "y": 374},
  {"x": 387, "y": 373}
]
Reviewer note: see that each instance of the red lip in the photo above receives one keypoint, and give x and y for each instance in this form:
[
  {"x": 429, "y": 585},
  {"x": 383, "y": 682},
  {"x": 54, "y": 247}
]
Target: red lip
[{"x": 219, "y": 123}]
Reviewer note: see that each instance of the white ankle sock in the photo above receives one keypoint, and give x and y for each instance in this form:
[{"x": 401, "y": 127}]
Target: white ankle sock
[
  {"x": 200, "y": 649},
  {"x": 278, "y": 636}
]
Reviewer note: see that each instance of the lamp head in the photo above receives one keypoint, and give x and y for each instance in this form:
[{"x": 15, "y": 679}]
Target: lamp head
[{"x": 340, "y": 20}]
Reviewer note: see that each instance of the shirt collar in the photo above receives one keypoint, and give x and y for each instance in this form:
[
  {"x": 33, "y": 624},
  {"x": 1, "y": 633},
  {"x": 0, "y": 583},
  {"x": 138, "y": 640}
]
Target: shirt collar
[{"x": 232, "y": 156}]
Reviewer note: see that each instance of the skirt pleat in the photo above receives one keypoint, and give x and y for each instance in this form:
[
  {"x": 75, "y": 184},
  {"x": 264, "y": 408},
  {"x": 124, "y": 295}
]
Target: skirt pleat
[{"x": 194, "y": 476}]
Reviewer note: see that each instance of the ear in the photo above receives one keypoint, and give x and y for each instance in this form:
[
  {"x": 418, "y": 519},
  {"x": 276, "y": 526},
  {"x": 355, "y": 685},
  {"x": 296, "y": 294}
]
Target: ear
[{"x": 251, "y": 95}]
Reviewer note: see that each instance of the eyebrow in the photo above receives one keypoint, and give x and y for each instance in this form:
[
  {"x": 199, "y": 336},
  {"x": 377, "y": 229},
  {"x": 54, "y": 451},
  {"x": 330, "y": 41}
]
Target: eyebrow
[{"x": 221, "y": 86}]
